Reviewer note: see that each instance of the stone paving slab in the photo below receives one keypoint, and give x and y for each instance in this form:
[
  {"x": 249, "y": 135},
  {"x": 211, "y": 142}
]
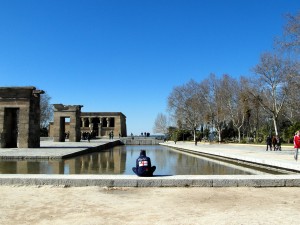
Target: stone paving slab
[{"x": 256, "y": 154}]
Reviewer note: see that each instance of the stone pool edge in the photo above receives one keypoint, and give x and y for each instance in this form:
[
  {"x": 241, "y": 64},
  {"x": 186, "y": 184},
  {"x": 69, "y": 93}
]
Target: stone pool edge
[{"x": 156, "y": 181}]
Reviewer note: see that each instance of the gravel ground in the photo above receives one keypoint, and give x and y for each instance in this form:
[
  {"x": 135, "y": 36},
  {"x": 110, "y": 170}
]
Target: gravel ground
[{"x": 98, "y": 205}]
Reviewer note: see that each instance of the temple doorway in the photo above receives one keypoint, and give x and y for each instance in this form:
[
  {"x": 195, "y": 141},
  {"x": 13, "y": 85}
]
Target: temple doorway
[
  {"x": 95, "y": 122},
  {"x": 11, "y": 121}
]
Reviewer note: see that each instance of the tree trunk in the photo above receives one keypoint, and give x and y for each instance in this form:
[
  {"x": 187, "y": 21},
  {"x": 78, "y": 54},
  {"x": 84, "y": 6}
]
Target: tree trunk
[
  {"x": 220, "y": 139},
  {"x": 239, "y": 132},
  {"x": 275, "y": 126}
]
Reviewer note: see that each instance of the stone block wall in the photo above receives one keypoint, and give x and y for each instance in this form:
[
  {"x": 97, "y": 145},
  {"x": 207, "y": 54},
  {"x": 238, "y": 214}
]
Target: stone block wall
[
  {"x": 66, "y": 111},
  {"x": 20, "y": 117}
]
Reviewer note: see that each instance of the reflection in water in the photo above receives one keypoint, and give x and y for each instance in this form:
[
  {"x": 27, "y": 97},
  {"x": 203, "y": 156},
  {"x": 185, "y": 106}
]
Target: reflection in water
[{"x": 120, "y": 160}]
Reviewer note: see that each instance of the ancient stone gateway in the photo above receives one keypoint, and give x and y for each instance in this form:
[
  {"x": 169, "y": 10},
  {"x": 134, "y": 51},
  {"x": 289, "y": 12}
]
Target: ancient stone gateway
[
  {"x": 20, "y": 117},
  {"x": 61, "y": 112}
]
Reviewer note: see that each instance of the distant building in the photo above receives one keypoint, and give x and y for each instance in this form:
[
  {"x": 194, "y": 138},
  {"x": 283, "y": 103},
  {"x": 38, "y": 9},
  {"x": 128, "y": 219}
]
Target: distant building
[{"x": 100, "y": 123}]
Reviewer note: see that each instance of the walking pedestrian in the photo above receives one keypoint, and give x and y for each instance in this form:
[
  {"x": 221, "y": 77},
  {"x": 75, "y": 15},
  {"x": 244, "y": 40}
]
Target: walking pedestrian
[
  {"x": 89, "y": 136},
  {"x": 274, "y": 143},
  {"x": 296, "y": 144},
  {"x": 269, "y": 143},
  {"x": 278, "y": 140}
]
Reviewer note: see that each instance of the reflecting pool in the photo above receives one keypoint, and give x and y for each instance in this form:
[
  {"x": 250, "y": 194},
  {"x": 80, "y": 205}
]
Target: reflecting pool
[{"x": 121, "y": 159}]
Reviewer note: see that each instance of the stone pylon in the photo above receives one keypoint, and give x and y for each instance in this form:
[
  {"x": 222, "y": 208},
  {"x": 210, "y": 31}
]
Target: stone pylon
[
  {"x": 20, "y": 117},
  {"x": 61, "y": 112}
]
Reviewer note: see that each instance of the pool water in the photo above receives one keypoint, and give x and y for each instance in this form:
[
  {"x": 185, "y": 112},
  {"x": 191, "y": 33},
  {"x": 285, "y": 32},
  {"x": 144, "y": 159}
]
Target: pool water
[{"x": 121, "y": 159}]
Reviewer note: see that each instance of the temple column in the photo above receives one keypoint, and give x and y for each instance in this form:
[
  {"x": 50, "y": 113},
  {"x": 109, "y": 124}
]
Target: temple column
[
  {"x": 90, "y": 124},
  {"x": 108, "y": 121},
  {"x": 100, "y": 127}
]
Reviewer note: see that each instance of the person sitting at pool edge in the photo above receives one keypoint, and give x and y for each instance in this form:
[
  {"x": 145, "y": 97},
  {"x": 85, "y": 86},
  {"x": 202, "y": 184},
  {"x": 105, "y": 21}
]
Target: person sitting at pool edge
[{"x": 143, "y": 165}]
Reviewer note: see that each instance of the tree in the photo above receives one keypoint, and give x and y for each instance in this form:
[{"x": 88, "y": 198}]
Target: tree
[
  {"x": 235, "y": 99},
  {"x": 290, "y": 44},
  {"x": 258, "y": 117},
  {"x": 291, "y": 36},
  {"x": 273, "y": 75},
  {"x": 185, "y": 103},
  {"x": 213, "y": 103},
  {"x": 46, "y": 111},
  {"x": 161, "y": 124}
]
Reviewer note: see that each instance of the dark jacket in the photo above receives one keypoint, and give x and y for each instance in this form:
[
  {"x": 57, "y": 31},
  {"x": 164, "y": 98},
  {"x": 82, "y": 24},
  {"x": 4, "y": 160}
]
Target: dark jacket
[
  {"x": 143, "y": 166},
  {"x": 269, "y": 140}
]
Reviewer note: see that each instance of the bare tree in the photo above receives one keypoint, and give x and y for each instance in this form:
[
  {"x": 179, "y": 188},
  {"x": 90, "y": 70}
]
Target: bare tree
[
  {"x": 215, "y": 109},
  {"x": 291, "y": 109},
  {"x": 290, "y": 43},
  {"x": 185, "y": 103},
  {"x": 257, "y": 114},
  {"x": 291, "y": 36},
  {"x": 46, "y": 110},
  {"x": 273, "y": 74},
  {"x": 161, "y": 124},
  {"x": 205, "y": 88},
  {"x": 236, "y": 101}
]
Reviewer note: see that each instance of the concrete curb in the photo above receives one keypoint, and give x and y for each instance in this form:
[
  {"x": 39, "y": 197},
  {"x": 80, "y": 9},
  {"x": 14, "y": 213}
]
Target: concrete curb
[{"x": 156, "y": 181}]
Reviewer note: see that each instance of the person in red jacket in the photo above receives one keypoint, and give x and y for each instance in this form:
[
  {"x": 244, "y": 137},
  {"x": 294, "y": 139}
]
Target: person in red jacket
[{"x": 296, "y": 144}]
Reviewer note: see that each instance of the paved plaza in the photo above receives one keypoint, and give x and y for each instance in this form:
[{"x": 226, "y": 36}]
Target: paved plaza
[
  {"x": 244, "y": 152},
  {"x": 66, "y": 199},
  {"x": 49, "y": 205}
]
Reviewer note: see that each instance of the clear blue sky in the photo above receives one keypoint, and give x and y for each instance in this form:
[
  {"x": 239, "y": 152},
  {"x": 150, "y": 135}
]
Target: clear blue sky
[{"x": 127, "y": 55}]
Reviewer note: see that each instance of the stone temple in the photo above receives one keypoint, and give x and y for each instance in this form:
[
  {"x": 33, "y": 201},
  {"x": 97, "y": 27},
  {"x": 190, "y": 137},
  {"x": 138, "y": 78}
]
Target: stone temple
[
  {"x": 20, "y": 117},
  {"x": 20, "y": 120},
  {"x": 68, "y": 119}
]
